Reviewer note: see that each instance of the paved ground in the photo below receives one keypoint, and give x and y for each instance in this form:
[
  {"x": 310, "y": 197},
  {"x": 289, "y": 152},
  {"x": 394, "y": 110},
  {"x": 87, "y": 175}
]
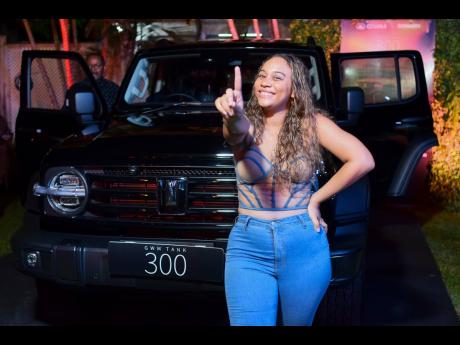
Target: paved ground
[{"x": 403, "y": 285}]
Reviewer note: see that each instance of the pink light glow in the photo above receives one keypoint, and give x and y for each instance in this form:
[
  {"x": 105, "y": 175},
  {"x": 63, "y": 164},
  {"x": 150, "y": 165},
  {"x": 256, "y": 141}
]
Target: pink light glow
[
  {"x": 231, "y": 25},
  {"x": 276, "y": 31},
  {"x": 256, "y": 28},
  {"x": 64, "y": 24}
]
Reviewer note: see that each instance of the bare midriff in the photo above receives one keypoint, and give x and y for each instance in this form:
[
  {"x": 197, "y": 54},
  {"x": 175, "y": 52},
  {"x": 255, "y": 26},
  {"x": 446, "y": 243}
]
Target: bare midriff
[{"x": 271, "y": 214}]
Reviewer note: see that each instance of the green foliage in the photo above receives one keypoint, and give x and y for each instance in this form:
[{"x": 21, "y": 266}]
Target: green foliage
[
  {"x": 443, "y": 237},
  {"x": 10, "y": 221},
  {"x": 325, "y": 32},
  {"x": 447, "y": 57},
  {"x": 445, "y": 165}
]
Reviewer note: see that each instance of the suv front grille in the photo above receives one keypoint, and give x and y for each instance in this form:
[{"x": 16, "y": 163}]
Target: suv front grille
[{"x": 124, "y": 194}]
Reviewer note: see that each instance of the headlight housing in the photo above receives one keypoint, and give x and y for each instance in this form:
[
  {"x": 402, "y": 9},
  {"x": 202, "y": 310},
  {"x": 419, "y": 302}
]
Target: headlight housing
[{"x": 66, "y": 191}]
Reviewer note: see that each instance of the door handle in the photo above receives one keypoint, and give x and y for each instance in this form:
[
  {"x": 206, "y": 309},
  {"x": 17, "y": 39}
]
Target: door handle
[{"x": 409, "y": 122}]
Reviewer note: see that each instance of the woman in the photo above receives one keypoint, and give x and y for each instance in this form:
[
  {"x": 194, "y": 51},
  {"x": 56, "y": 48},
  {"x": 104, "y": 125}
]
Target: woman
[{"x": 278, "y": 251}]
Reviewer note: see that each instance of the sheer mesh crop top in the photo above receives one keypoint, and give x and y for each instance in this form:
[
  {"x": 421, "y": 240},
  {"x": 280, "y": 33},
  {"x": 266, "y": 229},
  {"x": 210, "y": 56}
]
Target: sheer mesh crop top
[{"x": 258, "y": 190}]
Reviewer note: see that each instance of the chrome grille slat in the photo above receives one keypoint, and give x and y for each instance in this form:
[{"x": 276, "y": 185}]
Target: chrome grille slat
[
  {"x": 154, "y": 172},
  {"x": 115, "y": 208},
  {"x": 213, "y": 194},
  {"x": 123, "y": 192}
]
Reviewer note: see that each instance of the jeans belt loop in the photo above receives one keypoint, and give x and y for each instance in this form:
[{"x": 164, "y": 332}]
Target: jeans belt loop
[
  {"x": 236, "y": 219},
  {"x": 246, "y": 222},
  {"x": 304, "y": 223}
]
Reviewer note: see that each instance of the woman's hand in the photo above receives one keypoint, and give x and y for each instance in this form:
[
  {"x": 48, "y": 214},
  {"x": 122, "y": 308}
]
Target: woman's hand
[
  {"x": 230, "y": 104},
  {"x": 315, "y": 215}
]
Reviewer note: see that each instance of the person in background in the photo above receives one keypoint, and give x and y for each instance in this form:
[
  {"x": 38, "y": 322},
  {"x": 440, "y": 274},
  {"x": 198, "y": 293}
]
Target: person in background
[{"x": 109, "y": 89}]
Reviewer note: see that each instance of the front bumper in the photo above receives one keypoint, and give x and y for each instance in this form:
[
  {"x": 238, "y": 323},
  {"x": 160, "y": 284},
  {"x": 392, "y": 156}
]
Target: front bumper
[{"x": 82, "y": 260}]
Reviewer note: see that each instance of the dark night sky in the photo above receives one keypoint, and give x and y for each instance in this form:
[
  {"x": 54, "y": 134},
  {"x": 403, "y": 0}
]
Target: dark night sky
[
  {"x": 11, "y": 28},
  {"x": 14, "y": 30}
]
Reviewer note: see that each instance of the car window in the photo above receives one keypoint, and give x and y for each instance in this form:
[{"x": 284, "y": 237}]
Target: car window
[
  {"x": 198, "y": 77},
  {"x": 51, "y": 79},
  {"x": 376, "y": 76},
  {"x": 408, "y": 82}
]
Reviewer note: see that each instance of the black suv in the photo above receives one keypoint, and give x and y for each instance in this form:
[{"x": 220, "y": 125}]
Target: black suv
[{"x": 145, "y": 197}]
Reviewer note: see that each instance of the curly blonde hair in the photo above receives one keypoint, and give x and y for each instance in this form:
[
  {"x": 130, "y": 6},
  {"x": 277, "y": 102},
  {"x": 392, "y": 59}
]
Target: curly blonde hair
[{"x": 298, "y": 139}]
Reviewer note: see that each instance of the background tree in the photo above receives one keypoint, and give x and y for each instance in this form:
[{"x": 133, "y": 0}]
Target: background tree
[
  {"x": 445, "y": 164},
  {"x": 325, "y": 32}
]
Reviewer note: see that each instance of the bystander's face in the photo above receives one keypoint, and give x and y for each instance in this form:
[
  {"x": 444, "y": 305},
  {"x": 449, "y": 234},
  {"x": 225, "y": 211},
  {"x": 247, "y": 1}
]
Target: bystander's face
[
  {"x": 273, "y": 85},
  {"x": 96, "y": 66}
]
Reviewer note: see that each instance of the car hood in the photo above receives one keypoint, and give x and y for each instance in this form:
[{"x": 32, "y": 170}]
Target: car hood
[{"x": 125, "y": 144}]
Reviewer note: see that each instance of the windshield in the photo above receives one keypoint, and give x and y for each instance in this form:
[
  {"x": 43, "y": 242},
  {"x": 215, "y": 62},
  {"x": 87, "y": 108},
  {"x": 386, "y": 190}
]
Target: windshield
[{"x": 199, "y": 78}]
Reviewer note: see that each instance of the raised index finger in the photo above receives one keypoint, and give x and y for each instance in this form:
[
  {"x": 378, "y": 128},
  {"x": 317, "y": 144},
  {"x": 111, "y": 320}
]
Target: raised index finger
[{"x": 237, "y": 79}]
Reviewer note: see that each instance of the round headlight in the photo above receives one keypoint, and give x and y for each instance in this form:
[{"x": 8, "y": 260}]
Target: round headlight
[{"x": 70, "y": 193}]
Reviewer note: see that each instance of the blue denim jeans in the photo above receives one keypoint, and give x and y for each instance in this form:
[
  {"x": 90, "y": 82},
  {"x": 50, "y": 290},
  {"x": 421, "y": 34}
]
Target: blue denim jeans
[{"x": 275, "y": 261}]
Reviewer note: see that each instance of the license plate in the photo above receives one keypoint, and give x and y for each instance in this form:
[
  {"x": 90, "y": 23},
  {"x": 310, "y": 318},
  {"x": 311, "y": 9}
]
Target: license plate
[{"x": 163, "y": 260}]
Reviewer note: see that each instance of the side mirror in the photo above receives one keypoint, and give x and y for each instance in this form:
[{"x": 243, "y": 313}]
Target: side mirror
[
  {"x": 84, "y": 103},
  {"x": 85, "y": 107},
  {"x": 352, "y": 103}
]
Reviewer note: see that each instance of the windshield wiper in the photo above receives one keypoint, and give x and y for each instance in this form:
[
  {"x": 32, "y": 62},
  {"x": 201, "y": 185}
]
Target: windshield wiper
[
  {"x": 174, "y": 105},
  {"x": 144, "y": 120}
]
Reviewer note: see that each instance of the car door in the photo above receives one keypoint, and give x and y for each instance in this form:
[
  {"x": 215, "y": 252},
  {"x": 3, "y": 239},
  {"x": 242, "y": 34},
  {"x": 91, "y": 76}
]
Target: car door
[
  {"x": 396, "y": 124},
  {"x": 47, "y": 114}
]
